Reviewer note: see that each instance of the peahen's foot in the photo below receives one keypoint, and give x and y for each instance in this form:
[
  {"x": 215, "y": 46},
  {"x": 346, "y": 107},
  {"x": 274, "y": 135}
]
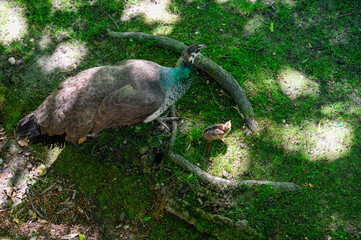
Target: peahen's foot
[{"x": 162, "y": 121}]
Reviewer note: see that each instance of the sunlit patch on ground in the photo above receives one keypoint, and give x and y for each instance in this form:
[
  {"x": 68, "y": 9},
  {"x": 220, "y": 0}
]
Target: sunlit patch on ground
[
  {"x": 45, "y": 42},
  {"x": 67, "y": 56},
  {"x": 324, "y": 141},
  {"x": 290, "y": 3},
  {"x": 13, "y": 24},
  {"x": 351, "y": 108},
  {"x": 234, "y": 162},
  {"x": 63, "y": 5},
  {"x": 221, "y": 1},
  {"x": 152, "y": 11},
  {"x": 252, "y": 25},
  {"x": 295, "y": 84},
  {"x": 163, "y": 30},
  {"x": 339, "y": 36}
]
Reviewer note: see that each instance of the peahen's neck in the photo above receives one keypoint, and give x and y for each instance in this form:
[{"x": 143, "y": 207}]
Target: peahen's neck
[
  {"x": 178, "y": 79},
  {"x": 175, "y": 82}
]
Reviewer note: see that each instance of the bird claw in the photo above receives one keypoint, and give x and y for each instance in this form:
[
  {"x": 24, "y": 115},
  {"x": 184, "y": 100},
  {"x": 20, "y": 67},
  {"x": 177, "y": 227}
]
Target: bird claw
[
  {"x": 23, "y": 142},
  {"x": 162, "y": 121}
]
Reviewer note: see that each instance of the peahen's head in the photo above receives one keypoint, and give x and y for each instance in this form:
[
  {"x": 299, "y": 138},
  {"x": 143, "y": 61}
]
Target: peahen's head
[{"x": 192, "y": 52}]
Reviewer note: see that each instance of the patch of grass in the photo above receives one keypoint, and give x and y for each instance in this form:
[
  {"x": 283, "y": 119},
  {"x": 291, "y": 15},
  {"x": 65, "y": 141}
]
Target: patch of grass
[
  {"x": 11, "y": 109},
  {"x": 174, "y": 229}
]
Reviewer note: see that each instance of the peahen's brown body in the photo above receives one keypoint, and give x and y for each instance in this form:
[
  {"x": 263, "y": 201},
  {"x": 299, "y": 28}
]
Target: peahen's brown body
[{"x": 131, "y": 93}]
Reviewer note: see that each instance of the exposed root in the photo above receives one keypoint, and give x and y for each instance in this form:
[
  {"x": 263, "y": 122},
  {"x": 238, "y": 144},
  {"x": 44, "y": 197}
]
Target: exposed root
[
  {"x": 218, "y": 226},
  {"x": 207, "y": 178}
]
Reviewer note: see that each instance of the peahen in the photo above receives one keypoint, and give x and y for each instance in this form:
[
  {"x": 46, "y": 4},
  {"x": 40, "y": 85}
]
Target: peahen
[
  {"x": 130, "y": 93},
  {"x": 216, "y": 132}
]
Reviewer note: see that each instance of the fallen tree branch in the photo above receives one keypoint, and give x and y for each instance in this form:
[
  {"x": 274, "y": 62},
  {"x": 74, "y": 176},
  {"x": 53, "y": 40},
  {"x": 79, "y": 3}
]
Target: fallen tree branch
[
  {"x": 214, "y": 70},
  {"x": 217, "y": 226},
  {"x": 160, "y": 41},
  {"x": 207, "y": 178}
]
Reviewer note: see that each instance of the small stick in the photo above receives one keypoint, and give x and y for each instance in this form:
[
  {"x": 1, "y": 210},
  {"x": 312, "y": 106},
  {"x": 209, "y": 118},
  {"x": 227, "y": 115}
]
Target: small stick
[
  {"x": 346, "y": 14},
  {"x": 263, "y": 21},
  {"x": 112, "y": 19},
  {"x": 48, "y": 189},
  {"x": 33, "y": 206}
]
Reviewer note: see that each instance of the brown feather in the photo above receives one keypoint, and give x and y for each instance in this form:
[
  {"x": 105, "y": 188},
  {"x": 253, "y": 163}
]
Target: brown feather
[
  {"x": 217, "y": 131},
  {"x": 90, "y": 101},
  {"x": 108, "y": 96}
]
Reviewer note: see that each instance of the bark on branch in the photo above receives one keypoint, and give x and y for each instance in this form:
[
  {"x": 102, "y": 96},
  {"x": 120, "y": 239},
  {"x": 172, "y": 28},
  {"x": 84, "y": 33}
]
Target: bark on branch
[
  {"x": 214, "y": 70},
  {"x": 218, "y": 226}
]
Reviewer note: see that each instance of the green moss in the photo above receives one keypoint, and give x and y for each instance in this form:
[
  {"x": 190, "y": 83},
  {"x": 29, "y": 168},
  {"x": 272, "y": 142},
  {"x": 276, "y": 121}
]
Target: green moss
[
  {"x": 126, "y": 192},
  {"x": 86, "y": 171},
  {"x": 116, "y": 190},
  {"x": 11, "y": 109},
  {"x": 222, "y": 228},
  {"x": 169, "y": 227}
]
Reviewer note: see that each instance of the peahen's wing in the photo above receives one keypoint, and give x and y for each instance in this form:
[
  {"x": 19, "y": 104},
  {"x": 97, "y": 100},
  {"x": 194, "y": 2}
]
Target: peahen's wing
[{"x": 127, "y": 106}]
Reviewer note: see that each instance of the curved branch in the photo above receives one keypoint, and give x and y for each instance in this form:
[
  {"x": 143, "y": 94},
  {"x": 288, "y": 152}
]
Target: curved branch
[
  {"x": 160, "y": 41},
  {"x": 207, "y": 178},
  {"x": 225, "y": 79},
  {"x": 231, "y": 85}
]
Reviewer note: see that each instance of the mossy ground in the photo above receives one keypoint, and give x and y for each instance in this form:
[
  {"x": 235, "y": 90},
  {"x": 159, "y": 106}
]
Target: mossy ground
[{"x": 299, "y": 63}]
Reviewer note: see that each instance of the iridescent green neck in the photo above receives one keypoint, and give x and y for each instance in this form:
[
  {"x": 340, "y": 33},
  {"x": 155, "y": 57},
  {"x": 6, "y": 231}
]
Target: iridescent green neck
[{"x": 176, "y": 77}]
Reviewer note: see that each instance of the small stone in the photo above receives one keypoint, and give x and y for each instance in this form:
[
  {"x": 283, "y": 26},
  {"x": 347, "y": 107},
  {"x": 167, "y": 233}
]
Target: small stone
[
  {"x": 125, "y": 142},
  {"x": 12, "y": 61}
]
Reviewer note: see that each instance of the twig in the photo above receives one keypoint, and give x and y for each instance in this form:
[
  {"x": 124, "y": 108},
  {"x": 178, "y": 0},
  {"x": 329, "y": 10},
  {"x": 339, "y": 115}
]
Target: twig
[
  {"x": 62, "y": 211},
  {"x": 263, "y": 21},
  {"x": 272, "y": 6},
  {"x": 112, "y": 19},
  {"x": 48, "y": 189},
  {"x": 346, "y": 14},
  {"x": 33, "y": 206},
  {"x": 256, "y": 49}
]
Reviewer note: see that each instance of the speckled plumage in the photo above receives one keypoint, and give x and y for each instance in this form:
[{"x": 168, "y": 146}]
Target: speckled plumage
[
  {"x": 133, "y": 92},
  {"x": 217, "y": 131}
]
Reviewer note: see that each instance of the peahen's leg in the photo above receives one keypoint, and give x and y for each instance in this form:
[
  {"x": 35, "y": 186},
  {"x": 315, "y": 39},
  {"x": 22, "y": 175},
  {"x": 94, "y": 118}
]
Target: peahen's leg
[{"x": 162, "y": 121}]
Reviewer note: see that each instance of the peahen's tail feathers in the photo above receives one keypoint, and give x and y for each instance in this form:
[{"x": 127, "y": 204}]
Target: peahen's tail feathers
[{"x": 27, "y": 130}]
